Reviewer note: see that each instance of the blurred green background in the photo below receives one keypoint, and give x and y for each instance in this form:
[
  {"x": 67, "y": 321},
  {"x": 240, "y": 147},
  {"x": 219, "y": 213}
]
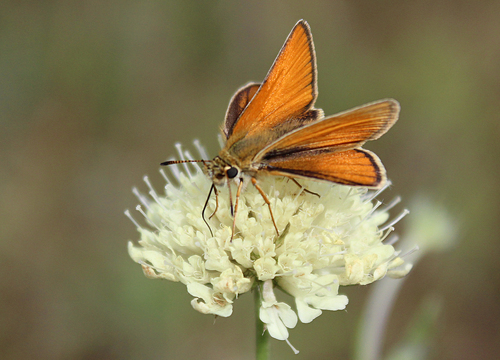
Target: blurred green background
[{"x": 93, "y": 95}]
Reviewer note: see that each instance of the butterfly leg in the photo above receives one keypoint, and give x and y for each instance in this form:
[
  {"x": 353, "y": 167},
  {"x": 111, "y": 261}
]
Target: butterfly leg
[
  {"x": 263, "y": 194},
  {"x": 238, "y": 192},
  {"x": 300, "y": 186}
]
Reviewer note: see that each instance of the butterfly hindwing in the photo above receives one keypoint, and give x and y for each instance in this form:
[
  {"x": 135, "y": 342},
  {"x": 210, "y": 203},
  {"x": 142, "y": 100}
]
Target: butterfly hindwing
[
  {"x": 357, "y": 167},
  {"x": 237, "y": 104}
]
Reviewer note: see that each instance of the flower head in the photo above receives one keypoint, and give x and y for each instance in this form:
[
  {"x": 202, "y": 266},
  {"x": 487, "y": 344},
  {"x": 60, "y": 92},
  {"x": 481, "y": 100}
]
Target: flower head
[{"x": 325, "y": 242}]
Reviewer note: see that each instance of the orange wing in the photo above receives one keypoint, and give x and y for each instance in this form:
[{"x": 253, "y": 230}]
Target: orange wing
[
  {"x": 356, "y": 167},
  {"x": 288, "y": 91},
  {"x": 237, "y": 104},
  {"x": 344, "y": 131}
]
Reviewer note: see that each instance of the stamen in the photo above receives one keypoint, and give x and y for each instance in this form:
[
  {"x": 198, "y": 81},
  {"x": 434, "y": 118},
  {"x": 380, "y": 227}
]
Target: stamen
[
  {"x": 194, "y": 164},
  {"x": 144, "y": 200},
  {"x": 174, "y": 169},
  {"x": 343, "y": 200},
  {"x": 139, "y": 208},
  {"x": 127, "y": 213},
  {"x": 398, "y": 254},
  {"x": 375, "y": 207},
  {"x": 377, "y": 204},
  {"x": 178, "y": 146},
  {"x": 162, "y": 172},
  {"x": 348, "y": 194},
  {"x": 295, "y": 351},
  {"x": 392, "y": 239},
  {"x": 391, "y": 229},
  {"x": 201, "y": 149},
  {"x": 376, "y": 193},
  {"x": 411, "y": 251},
  {"x": 326, "y": 287},
  {"x": 157, "y": 199},
  {"x": 391, "y": 204},
  {"x": 396, "y": 220},
  {"x": 148, "y": 183}
]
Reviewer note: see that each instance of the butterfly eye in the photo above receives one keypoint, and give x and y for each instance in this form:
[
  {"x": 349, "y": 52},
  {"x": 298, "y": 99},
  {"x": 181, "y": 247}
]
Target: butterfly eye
[{"x": 232, "y": 172}]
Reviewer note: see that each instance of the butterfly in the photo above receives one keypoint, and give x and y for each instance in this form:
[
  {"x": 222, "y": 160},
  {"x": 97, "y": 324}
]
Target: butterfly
[{"x": 272, "y": 128}]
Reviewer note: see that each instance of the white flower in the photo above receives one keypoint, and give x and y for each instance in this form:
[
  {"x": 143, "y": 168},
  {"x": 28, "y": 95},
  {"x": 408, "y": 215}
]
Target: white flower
[
  {"x": 314, "y": 293},
  {"x": 213, "y": 302},
  {"x": 277, "y": 316},
  {"x": 338, "y": 239}
]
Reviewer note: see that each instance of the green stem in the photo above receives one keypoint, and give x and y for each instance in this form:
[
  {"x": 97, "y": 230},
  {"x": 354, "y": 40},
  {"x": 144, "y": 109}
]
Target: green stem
[{"x": 261, "y": 336}]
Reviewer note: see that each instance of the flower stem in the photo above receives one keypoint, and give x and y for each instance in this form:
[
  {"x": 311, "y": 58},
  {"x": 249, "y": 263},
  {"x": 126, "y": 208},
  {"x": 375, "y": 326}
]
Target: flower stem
[{"x": 261, "y": 336}]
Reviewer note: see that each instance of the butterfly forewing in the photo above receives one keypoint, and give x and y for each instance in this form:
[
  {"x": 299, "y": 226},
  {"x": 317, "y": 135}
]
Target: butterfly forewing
[
  {"x": 288, "y": 91},
  {"x": 357, "y": 167},
  {"x": 344, "y": 131}
]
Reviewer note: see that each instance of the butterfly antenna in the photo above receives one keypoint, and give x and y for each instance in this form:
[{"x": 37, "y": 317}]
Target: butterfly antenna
[{"x": 171, "y": 162}]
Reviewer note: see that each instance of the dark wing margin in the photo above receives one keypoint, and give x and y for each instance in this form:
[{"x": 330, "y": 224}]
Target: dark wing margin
[
  {"x": 237, "y": 104},
  {"x": 357, "y": 167}
]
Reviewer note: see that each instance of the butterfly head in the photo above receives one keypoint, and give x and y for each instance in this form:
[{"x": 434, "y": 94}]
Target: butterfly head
[{"x": 220, "y": 172}]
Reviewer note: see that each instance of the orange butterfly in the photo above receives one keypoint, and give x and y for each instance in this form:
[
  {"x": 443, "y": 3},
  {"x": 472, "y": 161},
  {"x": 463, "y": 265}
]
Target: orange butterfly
[{"x": 273, "y": 128}]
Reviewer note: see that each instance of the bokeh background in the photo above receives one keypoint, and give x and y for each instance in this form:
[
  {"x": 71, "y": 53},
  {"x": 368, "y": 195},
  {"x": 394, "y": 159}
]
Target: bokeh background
[{"x": 94, "y": 94}]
